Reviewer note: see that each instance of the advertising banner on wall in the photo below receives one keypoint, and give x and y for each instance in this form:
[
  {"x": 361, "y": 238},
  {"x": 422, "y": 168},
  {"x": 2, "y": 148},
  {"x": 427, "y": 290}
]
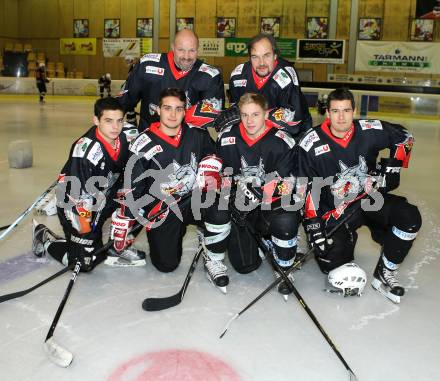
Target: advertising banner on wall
[
  {"x": 320, "y": 51},
  {"x": 237, "y": 47},
  {"x": 121, "y": 47},
  {"x": 211, "y": 47},
  {"x": 78, "y": 46},
  {"x": 398, "y": 56},
  {"x": 146, "y": 46}
]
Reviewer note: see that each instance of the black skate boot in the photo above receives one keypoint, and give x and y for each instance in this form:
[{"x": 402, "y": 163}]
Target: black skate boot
[
  {"x": 216, "y": 272},
  {"x": 40, "y": 238},
  {"x": 385, "y": 280}
]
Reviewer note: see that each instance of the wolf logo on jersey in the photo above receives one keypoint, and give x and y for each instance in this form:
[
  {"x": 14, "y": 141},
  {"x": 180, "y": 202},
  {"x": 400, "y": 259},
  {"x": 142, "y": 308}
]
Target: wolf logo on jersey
[
  {"x": 250, "y": 173},
  {"x": 351, "y": 180},
  {"x": 181, "y": 179}
]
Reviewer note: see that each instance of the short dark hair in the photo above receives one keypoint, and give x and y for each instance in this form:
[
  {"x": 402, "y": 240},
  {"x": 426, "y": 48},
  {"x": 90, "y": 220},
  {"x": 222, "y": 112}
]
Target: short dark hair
[
  {"x": 260, "y": 37},
  {"x": 108, "y": 103},
  {"x": 172, "y": 92},
  {"x": 341, "y": 94}
]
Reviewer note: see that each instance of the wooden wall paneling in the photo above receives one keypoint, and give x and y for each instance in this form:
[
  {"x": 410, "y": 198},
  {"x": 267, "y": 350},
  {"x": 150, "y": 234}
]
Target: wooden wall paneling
[
  {"x": 25, "y": 19},
  {"x": 164, "y": 31},
  {"x": 317, "y": 8},
  {"x": 248, "y": 18},
  {"x": 186, "y": 8},
  {"x": 371, "y": 8},
  {"x": 205, "y": 18},
  {"x": 227, "y": 8},
  {"x": 164, "y": 45},
  {"x": 297, "y": 12},
  {"x": 343, "y": 20},
  {"x": 128, "y": 18},
  {"x": 396, "y": 20},
  {"x": 96, "y": 63},
  {"x": 96, "y": 18},
  {"x": 144, "y": 8},
  {"x": 9, "y": 18},
  {"x": 66, "y": 16},
  {"x": 112, "y": 9},
  {"x": 81, "y": 10}
]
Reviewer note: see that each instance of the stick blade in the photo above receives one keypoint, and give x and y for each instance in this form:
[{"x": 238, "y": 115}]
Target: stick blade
[
  {"x": 57, "y": 354},
  {"x": 159, "y": 304}
]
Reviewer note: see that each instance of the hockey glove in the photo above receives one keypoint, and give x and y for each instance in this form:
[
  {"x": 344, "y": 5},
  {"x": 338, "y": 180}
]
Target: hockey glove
[
  {"x": 120, "y": 229},
  {"x": 227, "y": 118},
  {"x": 81, "y": 248},
  {"x": 389, "y": 169},
  {"x": 316, "y": 236},
  {"x": 208, "y": 174}
]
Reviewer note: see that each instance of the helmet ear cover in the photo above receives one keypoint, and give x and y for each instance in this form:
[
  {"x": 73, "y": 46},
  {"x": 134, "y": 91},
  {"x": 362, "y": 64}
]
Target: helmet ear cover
[{"x": 348, "y": 279}]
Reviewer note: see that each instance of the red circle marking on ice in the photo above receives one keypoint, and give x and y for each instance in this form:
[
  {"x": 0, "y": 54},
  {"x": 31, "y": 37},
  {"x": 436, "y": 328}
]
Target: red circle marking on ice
[{"x": 174, "y": 365}]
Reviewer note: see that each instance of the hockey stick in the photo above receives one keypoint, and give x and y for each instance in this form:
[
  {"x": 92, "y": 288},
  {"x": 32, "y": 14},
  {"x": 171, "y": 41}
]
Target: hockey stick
[
  {"x": 56, "y": 353},
  {"x": 295, "y": 266},
  {"x": 18, "y": 294},
  {"x": 301, "y": 301},
  {"x": 4, "y": 227},
  {"x": 28, "y": 210},
  {"x": 159, "y": 304}
]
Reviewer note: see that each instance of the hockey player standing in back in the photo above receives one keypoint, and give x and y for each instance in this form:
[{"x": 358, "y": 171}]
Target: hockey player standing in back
[
  {"x": 41, "y": 78},
  {"x": 275, "y": 78},
  {"x": 346, "y": 151},
  {"x": 179, "y": 68},
  {"x": 167, "y": 162},
  {"x": 105, "y": 83},
  {"x": 261, "y": 160},
  {"x": 86, "y": 189}
]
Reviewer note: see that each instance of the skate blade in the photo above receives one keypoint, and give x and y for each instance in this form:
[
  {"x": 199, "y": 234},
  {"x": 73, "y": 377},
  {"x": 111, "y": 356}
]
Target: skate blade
[
  {"x": 119, "y": 262},
  {"x": 286, "y": 298},
  {"x": 379, "y": 286},
  {"x": 222, "y": 289}
]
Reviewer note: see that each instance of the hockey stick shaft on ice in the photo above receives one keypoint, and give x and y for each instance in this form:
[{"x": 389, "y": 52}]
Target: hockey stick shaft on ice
[
  {"x": 27, "y": 211},
  {"x": 159, "y": 304}
]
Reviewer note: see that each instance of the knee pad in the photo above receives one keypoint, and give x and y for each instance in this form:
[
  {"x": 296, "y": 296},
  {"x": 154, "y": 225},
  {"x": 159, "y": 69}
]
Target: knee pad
[
  {"x": 406, "y": 221},
  {"x": 285, "y": 250}
]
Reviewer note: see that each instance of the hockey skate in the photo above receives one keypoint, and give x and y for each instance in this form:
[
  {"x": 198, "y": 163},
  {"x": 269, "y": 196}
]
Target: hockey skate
[
  {"x": 41, "y": 238},
  {"x": 385, "y": 280},
  {"x": 128, "y": 257},
  {"x": 216, "y": 272}
]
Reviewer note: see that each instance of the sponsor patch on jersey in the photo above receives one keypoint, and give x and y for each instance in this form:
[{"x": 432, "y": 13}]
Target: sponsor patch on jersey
[
  {"x": 208, "y": 69},
  {"x": 286, "y": 137},
  {"x": 81, "y": 147},
  {"x": 308, "y": 141},
  {"x": 154, "y": 70},
  {"x": 228, "y": 141},
  {"x": 151, "y": 57},
  {"x": 293, "y": 75},
  {"x": 95, "y": 154},
  {"x": 322, "y": 149},
  {"x": 153, "y": 151},
  {"x": 240, "y": 83},
  {"x": 237, "y": 70},
  {"x": 140, "y": 143},
  {"x": 131, "y": 134},
  {"x": 282, "y": 78},
  {"x": 370, "y": 124}
]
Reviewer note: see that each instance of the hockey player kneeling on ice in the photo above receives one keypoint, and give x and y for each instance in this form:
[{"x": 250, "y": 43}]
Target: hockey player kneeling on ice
[
  {"x": 86, "y": 189},
  {"x": 345, "y": 151},
  {"x": 167, "y": 162},
  {"x": 260, "y": 160}
]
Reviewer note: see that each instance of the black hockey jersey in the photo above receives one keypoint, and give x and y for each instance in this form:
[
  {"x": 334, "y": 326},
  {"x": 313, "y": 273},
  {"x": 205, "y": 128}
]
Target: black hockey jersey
[
  {"x": 161, "y": 166},
  {"x": 348, "y": 162},
  {"x": 272, "y": 155},
  {"x": 156, "y": 72},
  {"x": 90, "y": 175},
  {"x": 282, "y": 89}
]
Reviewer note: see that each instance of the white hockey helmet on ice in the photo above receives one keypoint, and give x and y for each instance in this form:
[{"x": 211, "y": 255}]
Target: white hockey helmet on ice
[
  {"x": 349, "y": 279},
  {"x": 108, "y": 76}
]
